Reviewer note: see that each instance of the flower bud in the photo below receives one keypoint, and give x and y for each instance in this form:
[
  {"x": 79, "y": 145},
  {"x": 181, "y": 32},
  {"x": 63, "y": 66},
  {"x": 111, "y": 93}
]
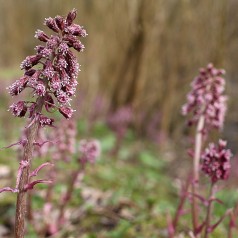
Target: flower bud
[
  {"x": 41, "y": 36},
  {"x": 67, "y": 112},
  {"x": 71, "y": 16},
  {"x": 51, "y": 23},
  {"x": 18, "y": 109}
]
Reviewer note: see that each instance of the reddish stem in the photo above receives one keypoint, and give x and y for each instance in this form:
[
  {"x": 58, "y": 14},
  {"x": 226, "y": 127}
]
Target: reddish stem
[
  {"x": 21, "y": 205},
  {"x": 67, "y": 197},
  {"x": 181, "y": 203},
  {"x": 209, "y": 211}
]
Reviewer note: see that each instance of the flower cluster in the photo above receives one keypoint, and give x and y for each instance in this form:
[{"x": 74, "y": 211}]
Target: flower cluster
[
  {"x": 54, "y": 78},
  {"x": 120, "y": 120},
  {"x": 90, "y": 150},
  {"x": 216, "y": 161},
  {"x": 65, "y": 135},
  {"x": 207, "y": 98}
]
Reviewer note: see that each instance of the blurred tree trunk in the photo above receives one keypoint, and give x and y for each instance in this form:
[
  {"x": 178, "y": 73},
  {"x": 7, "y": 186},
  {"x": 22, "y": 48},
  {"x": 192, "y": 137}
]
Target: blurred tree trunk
[{"x": 131, "y": 64}]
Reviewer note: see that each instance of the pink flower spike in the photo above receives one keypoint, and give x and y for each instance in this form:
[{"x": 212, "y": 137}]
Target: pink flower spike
[
  {"x": 8, "y": 189},
  {"x": 31, "y": 185},
  {"x": 207, "y": 99},
  {"x": 216, "y": 161},
  {"x": 36, "y": 171}
]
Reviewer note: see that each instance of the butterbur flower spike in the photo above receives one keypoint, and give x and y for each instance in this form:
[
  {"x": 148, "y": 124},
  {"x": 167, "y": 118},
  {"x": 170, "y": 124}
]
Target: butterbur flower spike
[
  {"x": 216, "y": 161},
  {"x": 57, "y": 68},
  {"x": 207, "y": 98},
  {"x": 50, "y": 75},
  {"x": 90, "y": 150}
]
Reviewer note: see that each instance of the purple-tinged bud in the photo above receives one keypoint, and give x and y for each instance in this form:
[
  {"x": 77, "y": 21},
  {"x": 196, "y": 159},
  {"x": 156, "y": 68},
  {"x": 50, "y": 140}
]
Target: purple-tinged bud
[
  {"x": 78, "y": 46},
  {"x": 51, "y": 23},
  {"x": 76, "y": 30},
  {"x": 45, "y": 121},
  {"x": 90, "y": 150},
  {"x": 18, "y": 86},
  {"x": 39, "y": 48},
  {"x": 53, "y": 42},
  {"x": 67, "y": 112},
  {"x": 70, "y": 90},
  {"x": 60, "y": 22},
  {"x": 210, "y": 66},
  {"x": 33, "y": 80},
  {"x": 73, "y": 68},
  {"x": 40, "y": 89},
  {"x": 63, "y": 98},
  {"x": 71, "y": 16},
  {"x": 30, "y": 61},
  {"x": 63, "y": 48},
  {"x": 55, "y": 83},
  {"x": 61, "y": 63},
  {"x": 46, "y": 53},
  {"x": 41, "y": 36},
  {"x": 70, "y": 39},
  {"x": 18, "y": 109},
  {"x": 216, "y": 161},
  {"x": 48, "y": 70},
  {"x": 221, "y": 72},
  {"x": 64, "y": 77}
]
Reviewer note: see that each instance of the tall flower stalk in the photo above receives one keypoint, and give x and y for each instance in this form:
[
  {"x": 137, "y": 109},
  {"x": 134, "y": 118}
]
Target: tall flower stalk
[
  {"x": 216, "y": 165},
  {"x": 207, "y": 104},
  {"x": 51, "y": 75}
]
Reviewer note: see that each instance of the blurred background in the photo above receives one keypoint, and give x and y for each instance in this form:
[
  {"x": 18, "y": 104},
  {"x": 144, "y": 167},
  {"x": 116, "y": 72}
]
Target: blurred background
[
  {"x": 140, "y": 57},
  {"x": 138, "y": 53}
]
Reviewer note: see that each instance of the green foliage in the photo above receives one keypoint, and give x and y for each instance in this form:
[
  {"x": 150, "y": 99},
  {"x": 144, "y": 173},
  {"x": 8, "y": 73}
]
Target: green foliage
[{"x": 135, "y": 190}]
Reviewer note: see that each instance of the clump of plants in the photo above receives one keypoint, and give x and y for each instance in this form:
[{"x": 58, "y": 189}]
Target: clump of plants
[
  {"x": 50, "y": 77},
  {"x": 206, "y": 108}
]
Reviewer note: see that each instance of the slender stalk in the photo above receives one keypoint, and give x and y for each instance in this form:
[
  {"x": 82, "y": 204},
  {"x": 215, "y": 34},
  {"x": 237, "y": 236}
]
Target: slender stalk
[
  {"x": 181, "y": 203},
  {"x": 196, "y": 161},
  {"x": 21, "y": 206},
  {"x": 230, "y": 228},
  {"x": 209, "y": 211},
  {"x": 69, "y": 192}
]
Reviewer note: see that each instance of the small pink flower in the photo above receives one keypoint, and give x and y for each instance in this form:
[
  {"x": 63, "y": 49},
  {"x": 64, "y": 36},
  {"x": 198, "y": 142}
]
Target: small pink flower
[
  {"x": 67, "y": 112},
  {"x": 41, "y": 36},
  {"x": 45, "y": 121},
  {"x": 18, "y": 109},
  {"x": 51, "y": 23}
]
